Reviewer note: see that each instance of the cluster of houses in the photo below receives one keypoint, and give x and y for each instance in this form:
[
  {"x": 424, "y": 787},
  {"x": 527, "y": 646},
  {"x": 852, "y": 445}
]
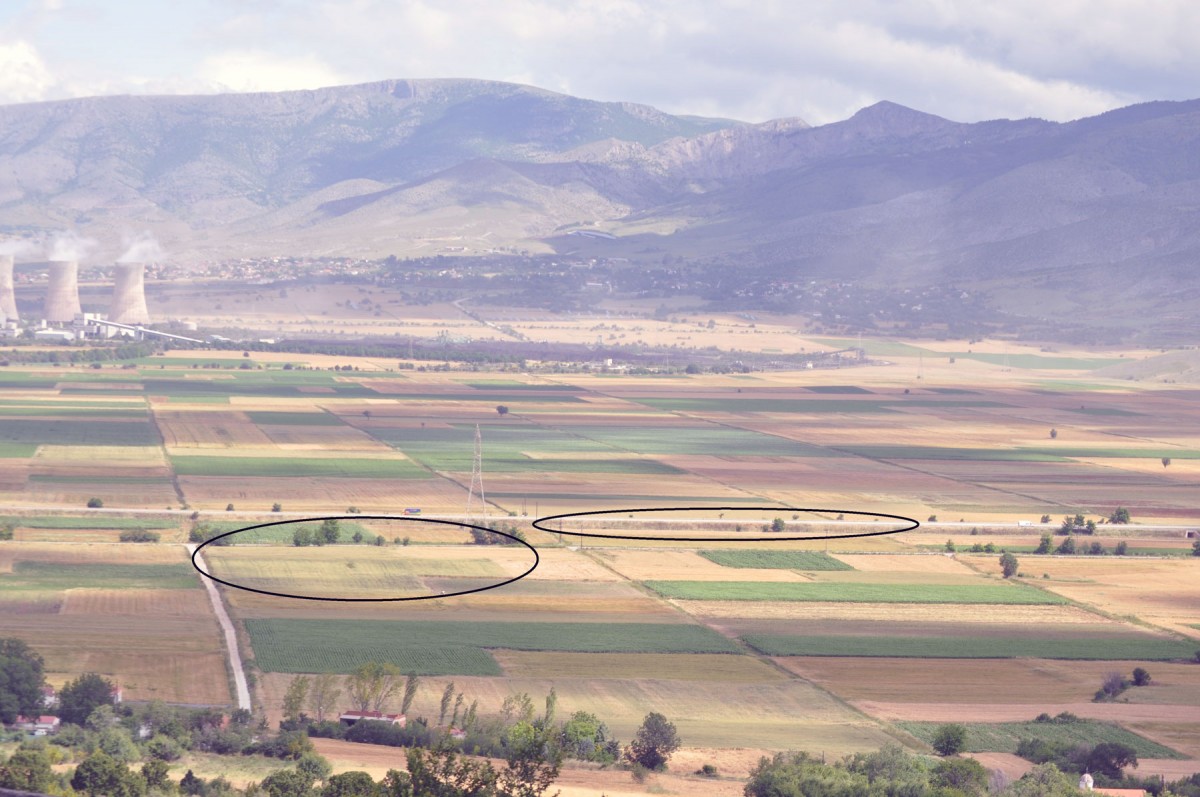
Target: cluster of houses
[{"x": 47, "y": 724}]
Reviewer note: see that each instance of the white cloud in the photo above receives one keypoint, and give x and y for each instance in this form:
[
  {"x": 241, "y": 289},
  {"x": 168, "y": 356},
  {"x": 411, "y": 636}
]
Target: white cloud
[
  {"x": 23, "y": 74},
  {"x": 255, "y": 70}
]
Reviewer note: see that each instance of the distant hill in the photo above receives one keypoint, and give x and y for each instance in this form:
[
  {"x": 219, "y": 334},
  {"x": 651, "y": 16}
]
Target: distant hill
[{"x": 1093, "y": 219}]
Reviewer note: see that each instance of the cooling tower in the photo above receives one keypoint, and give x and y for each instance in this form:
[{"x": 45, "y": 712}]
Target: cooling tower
[
  {"x": 8, "y": 301},
  {"x": 62, "y": 297},
  {"x": 129, "y": 295}
]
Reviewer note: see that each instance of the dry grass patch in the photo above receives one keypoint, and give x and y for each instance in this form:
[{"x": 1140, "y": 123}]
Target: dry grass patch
[
  {"x": 143, "y": 456},
  {"x": 136, "y": 603},
  {"x": 679, "y": 667}
]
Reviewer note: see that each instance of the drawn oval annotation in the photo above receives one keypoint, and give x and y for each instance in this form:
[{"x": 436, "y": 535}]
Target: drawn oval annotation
[
  {"x": 767, "y": 536},
  {"x": 199, "y": 548}
]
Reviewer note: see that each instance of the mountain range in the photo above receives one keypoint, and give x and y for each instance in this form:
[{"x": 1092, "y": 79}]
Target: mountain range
[{"x": 1047, "y": 217}]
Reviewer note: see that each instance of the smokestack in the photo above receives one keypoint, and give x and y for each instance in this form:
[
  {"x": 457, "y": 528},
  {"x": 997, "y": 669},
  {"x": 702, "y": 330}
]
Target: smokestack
[
  {"x": 8, "y": 300},
  {"x": 62, "y": 297},
  {"x": 129, "y": 295}
]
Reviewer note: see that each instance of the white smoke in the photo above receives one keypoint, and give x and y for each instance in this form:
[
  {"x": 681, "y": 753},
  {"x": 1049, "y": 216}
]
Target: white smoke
[
  {"x": 71, "y": 246},
  {"x": 142, "y": 248},
  {"x": 17, "y": 247}
]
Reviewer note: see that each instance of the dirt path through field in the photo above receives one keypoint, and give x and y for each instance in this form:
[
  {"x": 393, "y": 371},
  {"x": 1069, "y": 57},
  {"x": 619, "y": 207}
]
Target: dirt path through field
[{"x": 231, "y": 643}]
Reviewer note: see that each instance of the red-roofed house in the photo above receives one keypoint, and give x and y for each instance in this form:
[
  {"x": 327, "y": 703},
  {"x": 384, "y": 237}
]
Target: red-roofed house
[
  {"x": 348, "y": 718},
  {"x": 41, "y": 726},
  {"x": 458, "y": 733}
]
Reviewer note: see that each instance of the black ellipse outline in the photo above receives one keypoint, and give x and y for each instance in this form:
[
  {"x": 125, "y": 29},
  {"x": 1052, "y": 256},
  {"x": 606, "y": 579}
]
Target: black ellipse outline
[
  {"x": 916, "y": 524},
  {"x": 536, "y": 559}
]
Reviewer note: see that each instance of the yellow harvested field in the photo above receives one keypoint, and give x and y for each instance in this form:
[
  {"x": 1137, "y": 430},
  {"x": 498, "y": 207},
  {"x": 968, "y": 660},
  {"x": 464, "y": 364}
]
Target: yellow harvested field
[
  {"x": 911, "y": 612},
  {"x": 1165, "y": 592},
  {"x": 713, "y": 667},
  {"x": 559, "y": 564},
  {"x": 125, "y": 456},
  {"x": 685, "y": 566},
  {"x": 323, "y": 496},
  {"x": 136, "y": 602}
]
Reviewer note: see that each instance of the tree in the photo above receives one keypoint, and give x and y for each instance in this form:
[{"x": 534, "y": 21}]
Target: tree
[
  {"x": 1067, "y": 547},
  {"x": 1166, "y": 461},
  {"x": 654, "y": 742},
  {"x": 964, "y": 774},
  {"x": 950, "y": 546},
  {"x": 276, "y": 507},
  {"x": 1196, "y": 548},
  {"x": 27, "y": 770},
  {"x": 1122, "y": 548},
  {"x": 21, "y": 680},
  {"x": 411, "y": 682},
  {"x": 1045, "y": 544},
  {"x": 1109, "y": 758},
  {"x": 501, "y": 409},
  {"x": 1141, "y": 677},
  {"x": 1053, "y": 433},
  {"x": 447, "y": 698},
  {"x": 287, "y": 783},
  {"x": 314, "y": 766},
  {"x": 443, "y": 773},
  {"x": 1119, "y": 515},
  {"x": 1044, "y": 780},
  {"x": 229, "y": 507},
  {"x": 534, "y": 760},
  {"x": 352, "y": 784},
  {"x": 330, "y": 532},
  {"x": 155, "y": 774},
  {"x": 85, "y": 694},
  {"x": 95, "y": 503},
  {"x": 100, "y": 776},
  {"x": 372, "y": 684},
  {"x": 777, "y": 524},
  {"x": 295, "y": 697},
  {"x": 1009, "y": 565},
  {"x": 950, "y": 739},
  {"x": 302, "y": 537},
  {"x": 323, "y": 694}
]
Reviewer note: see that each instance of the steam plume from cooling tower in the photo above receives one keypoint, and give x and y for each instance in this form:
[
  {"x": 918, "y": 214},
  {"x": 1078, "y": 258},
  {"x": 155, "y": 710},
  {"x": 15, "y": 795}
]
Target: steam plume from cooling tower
[
  {"x": 62, "y": 296},
  {"x": 129, "y": 295},
  {"x": 143, "y": 248},
  {"x": 8, "y": 300}
]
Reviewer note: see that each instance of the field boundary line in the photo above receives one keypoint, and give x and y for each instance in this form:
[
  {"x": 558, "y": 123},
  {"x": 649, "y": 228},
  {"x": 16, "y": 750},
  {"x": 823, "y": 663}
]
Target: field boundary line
[{"x": 242, "y": 688}]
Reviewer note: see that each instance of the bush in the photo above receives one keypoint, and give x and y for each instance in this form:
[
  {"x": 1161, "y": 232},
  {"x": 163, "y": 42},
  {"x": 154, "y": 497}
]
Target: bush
[
  {"x": 1141, "y": 677},
  {"x": 707, "y": 771},
  {"x": 140, "y": 535},
  {"x": 950, "y": 739},
  {"x": 95, "y": 503}
]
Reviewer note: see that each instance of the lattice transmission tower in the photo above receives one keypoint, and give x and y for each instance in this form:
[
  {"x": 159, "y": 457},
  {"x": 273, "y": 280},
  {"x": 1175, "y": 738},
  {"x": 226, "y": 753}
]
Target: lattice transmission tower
[{"x": 475, "y": 491}]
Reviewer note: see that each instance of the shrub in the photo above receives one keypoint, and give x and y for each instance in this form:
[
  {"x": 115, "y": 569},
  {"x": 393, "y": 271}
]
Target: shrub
[
  {"x": 139, "y": 535},
  {"x": 94, "y": 503},
  {"x": 1141, "y": 677}
]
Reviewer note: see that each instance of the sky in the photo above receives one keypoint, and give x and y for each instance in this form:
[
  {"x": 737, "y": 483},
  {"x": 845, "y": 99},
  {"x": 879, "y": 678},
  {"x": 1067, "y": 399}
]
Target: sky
[{"x": 751, "y": 60}]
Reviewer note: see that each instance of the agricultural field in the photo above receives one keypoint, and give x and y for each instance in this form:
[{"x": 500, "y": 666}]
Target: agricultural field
[
  {"x": 749, "y": 646},
  {"x": 1002, "y": 737}
]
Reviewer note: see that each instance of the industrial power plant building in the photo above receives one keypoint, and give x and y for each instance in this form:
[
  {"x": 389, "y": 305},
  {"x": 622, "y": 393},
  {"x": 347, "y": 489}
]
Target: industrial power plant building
[
  {"x": 8, "y": 299},
  {"x": 62, "y": 296},
  {"x": 129, "y": 295}
]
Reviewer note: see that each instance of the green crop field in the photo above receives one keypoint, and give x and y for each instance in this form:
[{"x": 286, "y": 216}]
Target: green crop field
[
  {"x": 350, "y": 468},
  {"x": 47, "y": 576},
  {"x": 9, "y": 450},
  {"x": 838, "y": 389},
  {"x": 97, "y": 522},
  {"x": 290, "y": 645},
  {"x": 1147, "y": 649},
  {"x": 776, "y": 560},
  {"x": 70, "y": 432},
  {"x": 294, "y": 418},
  {"x": 968, "y": 454},
  {"x": 852, "y": 593},
  {"x": 285, "y": 532},
  {"x": 55, "y": 411},
  {"x": 1002, "y": 737}
]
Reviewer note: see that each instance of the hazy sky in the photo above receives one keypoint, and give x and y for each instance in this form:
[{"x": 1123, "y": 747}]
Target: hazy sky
[{"x": 751, "y": 60}]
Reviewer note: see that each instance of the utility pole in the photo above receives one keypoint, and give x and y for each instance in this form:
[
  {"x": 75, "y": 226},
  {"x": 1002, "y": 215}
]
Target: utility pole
[{"x": 476, "y": 488}]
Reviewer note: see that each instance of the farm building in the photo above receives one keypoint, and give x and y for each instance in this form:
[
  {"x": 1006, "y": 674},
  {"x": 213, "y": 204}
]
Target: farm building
[
  {"x": 40, "y": 726},
  {"x": 348, "y": 718}
]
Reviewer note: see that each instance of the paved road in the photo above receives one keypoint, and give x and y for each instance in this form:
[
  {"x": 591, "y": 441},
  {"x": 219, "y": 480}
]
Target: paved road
[{"x": 231, "y": 643}]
